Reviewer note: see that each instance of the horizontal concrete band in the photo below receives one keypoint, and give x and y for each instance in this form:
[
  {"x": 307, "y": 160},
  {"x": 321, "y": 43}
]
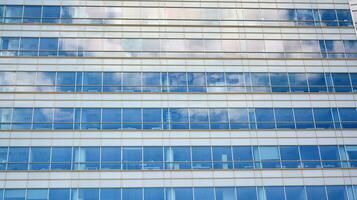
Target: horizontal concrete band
[
  {"x": 177, "y": 179},
  {"x": 177, "y": 138}
]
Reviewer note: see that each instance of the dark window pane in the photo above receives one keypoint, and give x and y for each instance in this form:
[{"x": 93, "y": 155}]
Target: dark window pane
[
  {"x": 37, "y": 194},
  {"x": 295, "y": 193},
  {"x": 179, "y": 194},
  {"x": 14, "y": 194},
  {"x": 88, "y": 194},
  {"x": 274, "y": 193},
  {"x": 204, "y": 194},
  {"x": 51, "y": 12},
  {"x": 201, "y": 157},
  {"x": 154, "y": 194},
  {"x": 222, "y": 157},
  {"x": 110, "y": 194},
  {"x": 132, "y": 194},
  {"x": 316, "y": 193},
  {"x": 59, "y": 194},
  {"x": 226, "y": 193},
  {"x": 336, "y": 192},
  {"x": 246, "y": 193}
]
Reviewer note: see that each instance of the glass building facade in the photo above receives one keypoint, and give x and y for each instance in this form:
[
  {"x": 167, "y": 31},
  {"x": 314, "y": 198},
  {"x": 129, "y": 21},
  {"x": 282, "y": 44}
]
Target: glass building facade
[{"x": 178, "y": 100}]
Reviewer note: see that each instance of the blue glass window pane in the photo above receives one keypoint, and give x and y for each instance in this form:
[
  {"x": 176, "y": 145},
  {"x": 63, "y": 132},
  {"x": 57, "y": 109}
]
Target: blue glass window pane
[
  {"x": 153, "y": 158},
  {"x": 13, "y": 11},
  {"x": 111, "y": 118},
  {"x": 51, "y": 12},
  {"x": 111, "y": 154},
  {"x": 269, "y": 157},
  {"x": 290, "y": 156},
  {"x": 32, "y": 11},
  {"x": 64, "y": 118},
  {"x": 216, "y": 82},
  {"x": 226, "y": 193},
  {"x": 204, "y": 194},
  {"x": 132, "y": 82},
  {"x": 32, "y": 14},
  {"x": 40, "y": 158},
  {"x": 336, "y": 192},
  {"x": 317, "y": 82},
  {"x": 18, "y": 154},
  {"x": 87, "y": 154},
  {"x": 66, "y": 81},
  {"x": 265, "y": 118},
  {"x": 112, "y": 82},
  {"x": 10, "y": 43},
  {"x": 295, "y": 193},
  {"x": 29, "y": 44},
  {"x": 274, "y": 193},
  {"x": 238, "y": 118},
  {"x": 48, "y": 46},
  {"x": 305, "y": 16},
  {"x": 201, "y": 157},
  {"x": 316, "y": 193},
  {"x": 179, "y": 194},
  {"x": 46, "y": 78},
  {"x": 37, "y": 194},
  {"x": 110, "y": 194},
  {"x": 199, "y": 118},
  {"x": 3, "y": 157},
  {"x": 179, "y": 118},
  {"x": 132, "y": 194},
  {"x": 344, "y": 17},
  {"x": 348, "y": 117},
  {"x": 310, "y": 156},
  {"x": 260, "y": 79},
  {"x": 61, "y": 154},
  {"x": 242, "y": 153},
  {"x": 151, "y": 82},
  {"x": 132, "y": 157},
  {"x": 152, "y": 118},
  {"x": 341, "y": 82},
  {"x": 279, "y": 82},
  {"x": 22, "y": 115},
  {"x": 14, "y": 194},
  {"x": 196, "y": 82},
  {"x": 132, "y": 115},
  {"x": 88, "y": 194},
  {"x": 218, "y": 118},
  {"x": 323, "y": 118},
  {"x": 59, "y": 194},
  {"x": 178, "y": 157},
  {"x": 303, "y": 118},
  {"x": 177, "y": 82},
  {"x": 5, "y": 117},
  {"x": 61, "y": 158},
  {"x": 92, "y": 82},
  {"x": 329, "y": 153},
  {"x": 43, "y": 118},
  {"x": 222, "y": 157},
  {"x": 246, "y": 193},
  {"x": 329, "y": 16},
  {"x": 284, "y": 118},
  {"x": 235, "y": 81},
  {"x": 298, "y": 82},
  {"x": 350, "y": 46},
  {"x": 154, "y": 194},
  {"x": 91, "y": 118}
]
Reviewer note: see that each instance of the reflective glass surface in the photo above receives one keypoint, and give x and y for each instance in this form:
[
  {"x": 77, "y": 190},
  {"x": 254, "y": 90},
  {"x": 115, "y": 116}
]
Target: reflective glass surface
[{"x": 177, "y": 157}]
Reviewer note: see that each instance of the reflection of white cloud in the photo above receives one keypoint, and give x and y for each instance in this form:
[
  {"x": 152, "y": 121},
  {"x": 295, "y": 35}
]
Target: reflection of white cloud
[
  {"x": 238, "y": 115},
  {"x": 63, "y": 115}
]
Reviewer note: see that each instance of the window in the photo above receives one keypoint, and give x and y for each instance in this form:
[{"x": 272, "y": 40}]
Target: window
[
  {"x": 279, "y": 82},
  {"x": 303, "y": 118},
  {"x": 178, "y": 157},
  {"x": 91, "y": 118},
  {"x": 151, "y": 82},
  {"x": 305, "y": 17},
  {"x": 222, "y": 158},
  {"x": 111, "y": 118},
  {"x": 22, "y": 118},
  {"x": 336, "y": 192},
  {"x": 290, "y": 156},
  {"x": 310, "y": 156},
  {"x": 265, "y": 118},
  {"x": 64, "y": 118},
  {"x": 40, "y": 158},
  {"x": 132, "y": 118},
  {"x": 201, "y": 158},
  {"x": 317, "y": 82},
  {"x": 153, "y": 158},
  {"x": 196, "y": 82},
  {"x": 238, "y": 118},
  {"x": 86, "y": 158},
  {"x": 269, "y": 157},
  {"x": 341, "y": 82},
  {"x": 29, "y": 46},
  {"x": 330, "y": 156},
  {"x": 178, "y": 118},
  {"x": 179, "y": 194},
  {"x": 316, "y": 193},
  {"x": 177, "y": 82},
  {"x": 87, "y": 194},
  {"x": 246, "y": 193},
  {"x": 274, "y": 193},
  {"x": 15, "y": 194},
  {"x": 132, "y": 82},
  {"x": 112, "y": 82},
  {"x": 37, "y": 194},
  {"x": 235, "y": 82},
  {"x": 110, "y": 194},
  {"x": 216, "y": 82},
  {"x": 32, "y": 14},
  {"x": 66, "y": 81},
  {"x": 132, "y": 157},
  {"x": 295, "y": 193},
  {"x": 152, "y": 118},
  {"x": 284, "y": 118},
  {"x": 323, "y": 118},
  {"x": 59, "y": 194},
  {"x": 110, "y": 158},
  {"x": 18, "y": 158},
  {"x": 43, "y": 118},
  {"x": 218, "y": 119},
  {"x": 51, "y": 14},
  {"x": 13, "y": 14},
  {"x": 61, "y": 158},
  {"x": 298, "y": 82},
  {"x": 328, "y": 17},
  {"x": 92, "y": 82},
  {"x": 154, "y": 194},
  {"x": 344, "y": 17},
  {"x": 132, "y": 194},
  {"x": 348, "y": 117},
  {"x": 243, "y": 157},
  {"x": 204, "y": 194},
  {"x": 225, "y": 193}
]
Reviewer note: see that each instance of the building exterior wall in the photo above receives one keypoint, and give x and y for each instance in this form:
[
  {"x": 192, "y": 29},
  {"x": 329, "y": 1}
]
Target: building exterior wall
[{"x": 218, "y": 52}]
